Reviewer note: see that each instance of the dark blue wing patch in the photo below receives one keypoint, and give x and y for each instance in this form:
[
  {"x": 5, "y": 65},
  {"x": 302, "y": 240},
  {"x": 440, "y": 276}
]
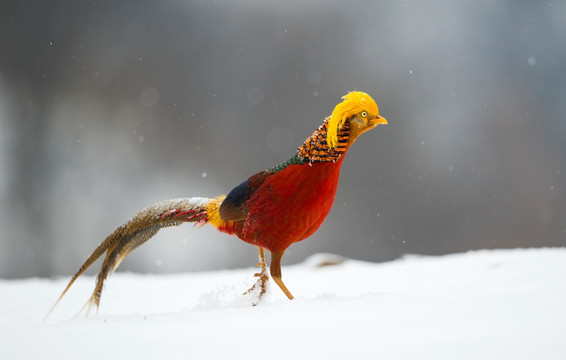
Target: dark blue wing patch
[{"x": 233, "y": 206}]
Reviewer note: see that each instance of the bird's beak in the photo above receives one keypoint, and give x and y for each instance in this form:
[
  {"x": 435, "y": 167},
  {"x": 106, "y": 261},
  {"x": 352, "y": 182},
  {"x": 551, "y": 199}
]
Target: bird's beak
[{"x": 379, "y": 121}]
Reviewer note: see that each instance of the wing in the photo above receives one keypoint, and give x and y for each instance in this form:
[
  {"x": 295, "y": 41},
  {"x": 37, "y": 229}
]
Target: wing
[{"x": 233, "y": 206}]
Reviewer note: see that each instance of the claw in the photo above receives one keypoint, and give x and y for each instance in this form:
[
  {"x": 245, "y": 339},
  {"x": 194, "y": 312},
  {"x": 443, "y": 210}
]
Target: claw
[
  {"x": 261, "y": 283},
  {"x": 263, "y": 279}
]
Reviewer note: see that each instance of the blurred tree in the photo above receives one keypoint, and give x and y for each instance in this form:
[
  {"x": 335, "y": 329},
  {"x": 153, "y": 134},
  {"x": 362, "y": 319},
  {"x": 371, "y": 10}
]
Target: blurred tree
[{"x": 108, "y": 106}]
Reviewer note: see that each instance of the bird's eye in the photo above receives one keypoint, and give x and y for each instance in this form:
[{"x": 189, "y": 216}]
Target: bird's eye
[{"x": 364, "y": 113}]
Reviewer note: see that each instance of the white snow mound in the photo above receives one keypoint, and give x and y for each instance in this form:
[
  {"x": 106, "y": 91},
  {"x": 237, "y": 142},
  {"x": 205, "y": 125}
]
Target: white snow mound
[{"x": 503, "y": 304}]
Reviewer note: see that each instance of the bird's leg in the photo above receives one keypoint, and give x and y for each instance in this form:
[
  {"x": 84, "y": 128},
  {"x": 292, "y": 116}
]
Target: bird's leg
[
  {"x": 275, "y": 269},
  {"x": 262, "y": 275}
]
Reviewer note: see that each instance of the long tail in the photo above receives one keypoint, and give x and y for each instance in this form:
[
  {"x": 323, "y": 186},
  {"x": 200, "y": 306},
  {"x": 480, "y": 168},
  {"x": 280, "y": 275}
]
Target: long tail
[{"x": 137, "y": 231}]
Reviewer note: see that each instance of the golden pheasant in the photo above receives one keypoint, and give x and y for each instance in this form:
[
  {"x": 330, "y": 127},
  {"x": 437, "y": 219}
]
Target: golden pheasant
[{"x": 271, "y": 210}]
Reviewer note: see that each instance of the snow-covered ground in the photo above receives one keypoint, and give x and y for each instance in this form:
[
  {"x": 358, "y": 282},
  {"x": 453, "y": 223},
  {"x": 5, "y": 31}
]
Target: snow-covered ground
[{"x": 505, "y": 304}]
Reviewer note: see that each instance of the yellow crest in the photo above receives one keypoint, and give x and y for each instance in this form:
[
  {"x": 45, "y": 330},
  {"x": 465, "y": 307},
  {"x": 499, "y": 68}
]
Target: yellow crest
[{"x": 354, "y": 103}]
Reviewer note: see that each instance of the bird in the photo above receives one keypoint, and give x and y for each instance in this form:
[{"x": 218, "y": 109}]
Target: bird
[{"x": 271, "y": 210}]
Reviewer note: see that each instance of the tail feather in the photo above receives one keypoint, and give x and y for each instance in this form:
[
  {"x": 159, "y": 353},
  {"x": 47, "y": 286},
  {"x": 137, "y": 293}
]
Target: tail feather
[{"x": 135, "y": 232}]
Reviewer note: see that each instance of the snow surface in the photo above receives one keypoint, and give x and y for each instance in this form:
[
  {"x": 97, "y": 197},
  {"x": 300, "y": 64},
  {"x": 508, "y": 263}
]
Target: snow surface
[{"x": 504, "y": 304}]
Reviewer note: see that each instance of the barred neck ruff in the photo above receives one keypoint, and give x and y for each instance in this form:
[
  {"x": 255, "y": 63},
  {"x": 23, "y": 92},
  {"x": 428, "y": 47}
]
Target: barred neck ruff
[{"x": 316, "y": 149}]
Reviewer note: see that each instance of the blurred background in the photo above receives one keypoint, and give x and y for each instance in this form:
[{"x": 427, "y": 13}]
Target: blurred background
[{"x": 108, "y": 106}]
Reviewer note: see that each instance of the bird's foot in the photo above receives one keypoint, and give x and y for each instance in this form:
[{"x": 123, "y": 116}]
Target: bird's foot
[{"x": 261, "y": 284}]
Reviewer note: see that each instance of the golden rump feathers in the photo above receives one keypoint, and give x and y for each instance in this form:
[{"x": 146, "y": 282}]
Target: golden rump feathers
[{"x": 354, "y": 103}]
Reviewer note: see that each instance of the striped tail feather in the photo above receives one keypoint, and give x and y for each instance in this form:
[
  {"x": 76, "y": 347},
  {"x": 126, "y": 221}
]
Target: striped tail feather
[{"x": 136, "y": 231}]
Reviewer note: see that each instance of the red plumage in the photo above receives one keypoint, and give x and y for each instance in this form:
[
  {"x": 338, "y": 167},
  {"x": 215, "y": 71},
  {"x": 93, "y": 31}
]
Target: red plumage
[{"x": 290, "y": 205}]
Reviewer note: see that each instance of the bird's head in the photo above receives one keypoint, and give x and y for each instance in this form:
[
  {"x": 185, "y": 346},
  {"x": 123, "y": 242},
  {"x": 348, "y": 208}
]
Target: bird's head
[{"x": 360, "y": 110}]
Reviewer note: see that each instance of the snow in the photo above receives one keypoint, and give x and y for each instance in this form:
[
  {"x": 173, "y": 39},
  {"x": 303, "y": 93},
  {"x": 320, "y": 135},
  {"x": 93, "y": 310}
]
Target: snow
[{"x": 501, "y": 304}]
